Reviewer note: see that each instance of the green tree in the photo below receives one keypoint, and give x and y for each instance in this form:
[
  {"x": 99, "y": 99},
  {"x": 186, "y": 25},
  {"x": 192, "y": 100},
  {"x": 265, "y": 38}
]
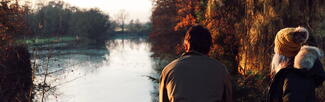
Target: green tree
[{"x": 58, "y": 19}]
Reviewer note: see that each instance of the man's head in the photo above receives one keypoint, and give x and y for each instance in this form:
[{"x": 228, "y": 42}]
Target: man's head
[{"x": 198, "y": 38}]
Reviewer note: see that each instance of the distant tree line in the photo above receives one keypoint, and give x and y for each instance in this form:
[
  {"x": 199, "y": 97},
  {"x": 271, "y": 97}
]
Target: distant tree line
[
  {"x": 58, "y": 19},
  {"x": 133, "y": 27},
  {"x": 138, "y": 28}
]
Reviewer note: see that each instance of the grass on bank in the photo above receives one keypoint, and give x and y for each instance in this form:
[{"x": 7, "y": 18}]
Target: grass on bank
[{"x": 45, "y": 40}]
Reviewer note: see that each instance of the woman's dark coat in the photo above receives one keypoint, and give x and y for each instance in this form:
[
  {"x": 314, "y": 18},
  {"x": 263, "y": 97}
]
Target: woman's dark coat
[{"x": 296, "y": 85}]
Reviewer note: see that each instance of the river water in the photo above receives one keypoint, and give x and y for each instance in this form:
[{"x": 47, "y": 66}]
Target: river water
[{"x": 115, "y": 74}]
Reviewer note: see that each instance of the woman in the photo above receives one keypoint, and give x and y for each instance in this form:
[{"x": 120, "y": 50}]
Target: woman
[
  {"x": 296, "y": 73},
  {"x": 287, "y": 44}
]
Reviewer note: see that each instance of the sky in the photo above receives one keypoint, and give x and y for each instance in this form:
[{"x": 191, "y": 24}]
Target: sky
[{"x": 137, "y": 9}]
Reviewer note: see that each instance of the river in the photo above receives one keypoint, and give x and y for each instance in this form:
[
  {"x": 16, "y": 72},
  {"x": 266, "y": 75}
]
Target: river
[{"x": 115, "y": 74}]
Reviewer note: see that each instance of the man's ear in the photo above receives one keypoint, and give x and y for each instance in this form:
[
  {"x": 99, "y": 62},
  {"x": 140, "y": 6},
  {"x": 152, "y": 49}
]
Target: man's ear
[{"x": 186, "y": 46}]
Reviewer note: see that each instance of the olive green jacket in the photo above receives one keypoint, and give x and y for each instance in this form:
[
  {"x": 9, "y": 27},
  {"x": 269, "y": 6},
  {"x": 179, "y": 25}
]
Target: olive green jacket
[{"x": 195, "y": 78}]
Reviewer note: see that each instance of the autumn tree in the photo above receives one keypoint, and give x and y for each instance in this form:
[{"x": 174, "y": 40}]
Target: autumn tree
[
  {"x": 163, "y": 36},
  {"x": 16, "y": 81},
  {"x": 243, "y": 32},
  {"x": 264, "y": 18},
  {"x": 186, "y": 13},
  {"x": 12, "y": 23}
]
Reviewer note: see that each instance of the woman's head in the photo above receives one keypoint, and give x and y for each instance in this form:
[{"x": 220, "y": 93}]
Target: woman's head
[
  {"x": 287, "y": 44},
  {"x": 289, "y": 40}
]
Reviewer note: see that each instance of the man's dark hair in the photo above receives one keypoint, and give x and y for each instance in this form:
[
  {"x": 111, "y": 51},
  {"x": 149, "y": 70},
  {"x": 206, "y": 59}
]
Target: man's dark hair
[{"x": 199, "y": 39}]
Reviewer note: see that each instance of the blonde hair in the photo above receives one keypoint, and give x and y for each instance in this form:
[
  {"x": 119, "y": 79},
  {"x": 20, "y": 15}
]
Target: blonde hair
[{"x": 276, "y": 61}]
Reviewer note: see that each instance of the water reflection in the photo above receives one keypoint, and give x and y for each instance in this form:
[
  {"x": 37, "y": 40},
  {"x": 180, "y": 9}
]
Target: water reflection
[{"x": 119, "y": 78}]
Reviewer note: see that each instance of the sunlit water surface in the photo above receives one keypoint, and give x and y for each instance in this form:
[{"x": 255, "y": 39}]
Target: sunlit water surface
[{"x": 117, "y": 74}]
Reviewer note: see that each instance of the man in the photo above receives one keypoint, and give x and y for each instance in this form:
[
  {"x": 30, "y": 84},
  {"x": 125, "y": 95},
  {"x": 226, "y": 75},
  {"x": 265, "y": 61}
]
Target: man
[{"x": 194, "y": 77}]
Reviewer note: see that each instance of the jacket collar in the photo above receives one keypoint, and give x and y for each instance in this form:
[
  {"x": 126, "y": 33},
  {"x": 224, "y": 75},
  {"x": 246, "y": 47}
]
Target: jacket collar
[{"x": 192, "y": 53}]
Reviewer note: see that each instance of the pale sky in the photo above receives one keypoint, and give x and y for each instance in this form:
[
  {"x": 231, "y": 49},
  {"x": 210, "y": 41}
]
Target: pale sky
[{"x": 137, "y": 9}]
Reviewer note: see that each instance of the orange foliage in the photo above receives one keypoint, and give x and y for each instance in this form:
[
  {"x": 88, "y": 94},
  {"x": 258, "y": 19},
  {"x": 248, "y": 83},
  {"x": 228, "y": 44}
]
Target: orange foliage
[
  {"x": 185, "y": 22},
  {"x": 186, "y": 13},
  {"x": 12, "y": 21},
  {"x": 243, "y": 32},
  {"x": 163, "y": 37}
]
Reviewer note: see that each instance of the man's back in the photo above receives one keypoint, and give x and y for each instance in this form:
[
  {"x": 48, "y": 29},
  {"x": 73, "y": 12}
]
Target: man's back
[{"x": 195, "y": 78}]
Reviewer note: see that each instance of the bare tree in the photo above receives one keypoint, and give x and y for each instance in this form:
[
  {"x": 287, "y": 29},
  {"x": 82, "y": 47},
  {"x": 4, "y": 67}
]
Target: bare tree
[{"x": 121, "y": 18}]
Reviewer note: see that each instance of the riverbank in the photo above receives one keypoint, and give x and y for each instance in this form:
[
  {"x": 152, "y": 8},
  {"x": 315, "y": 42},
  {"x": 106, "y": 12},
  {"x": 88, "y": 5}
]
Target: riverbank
[
  {"x": 60, "y": 62},
  {"x": 16, "y": 80}
]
